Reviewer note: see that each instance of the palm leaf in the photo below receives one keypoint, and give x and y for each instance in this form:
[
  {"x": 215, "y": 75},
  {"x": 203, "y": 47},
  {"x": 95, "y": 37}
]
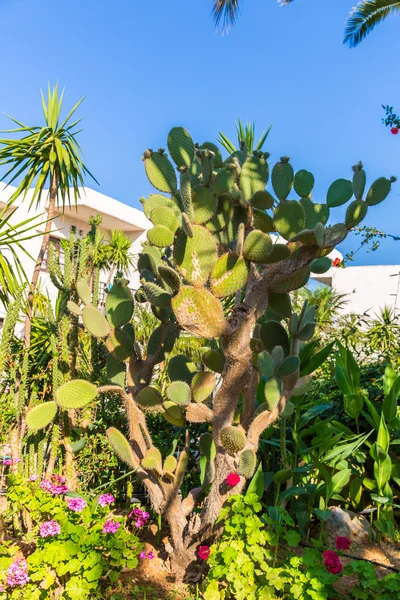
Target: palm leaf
[
  {"x": 225, "y": 10},
  {"x": 365, "y": 16}
]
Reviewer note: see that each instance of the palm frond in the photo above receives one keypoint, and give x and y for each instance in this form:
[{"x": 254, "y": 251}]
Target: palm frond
[
  {"x": 225, "y": 10},
  {"x": 365, "y": 16}
]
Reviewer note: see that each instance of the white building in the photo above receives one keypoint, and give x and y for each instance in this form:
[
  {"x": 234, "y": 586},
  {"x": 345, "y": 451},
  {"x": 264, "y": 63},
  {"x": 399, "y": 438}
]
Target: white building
[{"x": 115, "y": 215}]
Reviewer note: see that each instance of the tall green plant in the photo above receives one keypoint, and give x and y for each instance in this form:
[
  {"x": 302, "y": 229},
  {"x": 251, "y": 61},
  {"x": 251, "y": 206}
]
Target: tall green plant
[{"x": 245, "y": 137}]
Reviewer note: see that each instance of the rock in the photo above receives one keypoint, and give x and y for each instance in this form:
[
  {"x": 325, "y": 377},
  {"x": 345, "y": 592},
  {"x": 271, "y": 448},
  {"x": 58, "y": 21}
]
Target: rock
[{"x": 347, "y": 524}]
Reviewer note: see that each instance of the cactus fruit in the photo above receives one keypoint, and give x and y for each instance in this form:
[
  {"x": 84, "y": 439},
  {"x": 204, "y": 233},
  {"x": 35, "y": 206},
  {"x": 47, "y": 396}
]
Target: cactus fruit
[
  {"x": 170, "y": 276},
  {"x": 181, "y": 368},
  {"x": 153, "y": 461},
  {"x": 282, "y": 178},
  {"x": 257, "y": 246},
  {"x": 229, "y": 275},
  {"x": 41, "y": 415},
  {"x": 355, "y": 213},
  {"x": 247, "y": 463},
  {"x": 179, "y": 392},
  {"x": 379, "y": 190},
  {"x": 254, "y": 176},
  {"x": 281, "y": 304},
  {"x": 315, "y": 213},
  {"x": 321, "y": 265},
  {"x": 156, "y": 295},
  {"x": 95, "y": 322},
  {"x": 196, "y": 256},
  {"x": 173, "y": 414},
  {"x": 180, "y": 146},
  {"x": 170, "y": 463},
  {"x": 120, "y": 344},
  {"x": 160, "y": 172},
  {"x": 223, "y": 215},
  {"x": 205, "y": 204},
  {"x": 203, "y": 385},
  {"x": 339, "y": 192},
  {"x": 303, "y": 183},
  {"x": 84, "y": 291},
  {"x": 75, "y": 394},
  {"x": 162, "y": 215},
  {"x": 232, "y": 439},
  {"x": 359, "y": 180},
  {"x": 273, "y": 392},
  {"x": 149, "y": 396},
  {"x": 121, "y": 446},
  {"x": 74, "y": 308},
  {"x": 265, "y": 364},
  {"x": 214, "y": 360},
  {"x": 160, "y": 236},
  {"x": 119, "y": 305},
  {"x": 289, "y": 218},
  {"x": 224, "y": 180},
  {"x": 290, "y": 365},
  {"x": 116, "y": 371},
  {"x": 207, "y": 446},
  {"x": 274, "y": 334},
  {"x": 262, "y": 200},
  {"x": 199, "y": 312}
]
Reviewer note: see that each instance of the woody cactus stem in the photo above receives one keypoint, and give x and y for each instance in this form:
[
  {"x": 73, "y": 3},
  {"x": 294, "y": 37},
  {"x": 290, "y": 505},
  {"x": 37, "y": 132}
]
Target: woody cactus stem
[{"x": 211, "y": 240}]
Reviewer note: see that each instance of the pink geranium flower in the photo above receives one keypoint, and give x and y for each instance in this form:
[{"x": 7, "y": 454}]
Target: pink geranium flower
[
  {"x": 17, "y": 573},
  {"x": 203, "y": 552},
  {"x": 76, "y": 504},
  {"x": 106, "y": 499},
  {"x": 111, "y": 526},
  {"x": 49, "y": 529},
  {"x": 342, "y": 543},
  {"x": 331, "y": 562}
]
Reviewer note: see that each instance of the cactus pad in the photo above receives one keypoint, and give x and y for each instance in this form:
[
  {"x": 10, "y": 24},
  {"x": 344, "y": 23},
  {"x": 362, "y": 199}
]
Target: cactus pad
[
  {"x": 180, "y": 146},
  {"x": 257, "y": 246},
  {"x": 196, "y": 256},
  {"x": 204, "y": 203},
  {"x": 288, "y": 283},
  {"x": 84, "y": 291},
  {"x": 359, "y": 180},
  {"x": 162, "y": 341},
  {"x": 281, "y": 304},
  {"x": 232, "y": 439},
  {"x": 247, "y": 463},
  {"x": 116, "y": 371},
  {"x": 160, "y": 171},
  {"x": 162, "y": 215},
  {"x": 229, "y": 275},
  {"x": 75, "y": 394},
  {"x": 254, "y": 176},
  {"x": 279, "y": 253},
  {"x": 120, "y": 344},
  {"x": 160, "y": 236},
  {"x": 290, "y": 365},
  {"x": 303, "y": 183},
  {"x": 74, "y": 308},
  {"x": 265, "y": 364},
  {"x": 173, "y": 414},
  {"x": 320, "y": 265},
  {"x": 199, "y": 312},
  {"x": 262, "y": 200},
  {"x": 203, "y": 384},
  {"x": 223, "y": 215},
  {"x": 41, "y": 415},
  {"x": 158, "y": 200},
  {"x": 207, "y": 446},
  {"x": 339, "y": 192},
  {"x": 378, "y": 191},
  {"x": 217, "y": 153},
  {"x": 95, "y": 322},
  {"x": 274, "y": 334},
  {"x": 152, "y": 460},
  {"x": 170, "y": 463},
  {"x": 170, "y": 276},
  {"x": 224, "y": 181},
  {"x": 150, "y": 259},
  {"x": 263, "y": 221},
  {"x": 355, "y": 213},
  {"x": 289, "y": 218},
  {"x": 181, "y": 368},
  {"x": 214, "y": 360},
  {"x": 156, "y": 295},
  {"x": 315, "y": 213},
  {"x": 149, "y": 396},
  {"x": 282, "y": 178},
  {"x": 179, "y": 392},
  {"x": 121, "y": 446},
  {"x": 119, "y": 305},
  {"x": 273, "y": 392}
]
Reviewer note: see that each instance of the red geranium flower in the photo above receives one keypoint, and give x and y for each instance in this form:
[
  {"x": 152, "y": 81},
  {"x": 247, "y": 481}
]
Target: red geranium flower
[
  {"x": 342, "y": 543},
  {"x": 332, "y": 562},
  {"x": 394, "y": 130},
  {"x": 203, "y": 552},
  {"x": 232, "y": 479},
  {"x": 336, "y": 262}
]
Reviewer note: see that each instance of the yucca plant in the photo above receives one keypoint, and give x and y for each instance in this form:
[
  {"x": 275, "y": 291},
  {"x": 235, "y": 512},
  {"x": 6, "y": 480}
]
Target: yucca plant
[
  {"x": 49, "y": 158},
  {"x": 118, "y": 253},
  {"x": 245, "y": 136}
]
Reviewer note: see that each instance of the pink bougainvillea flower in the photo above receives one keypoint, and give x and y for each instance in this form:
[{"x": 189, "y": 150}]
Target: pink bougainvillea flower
[
  {"x": 17, "y": 573},
  {"x": 76, "y": 504},
  {"x": 106, "y": 499},
  {"x": 342, "y": 543},
  {"x": 394, "y": 130},
  {"x": 331, "y": 562},
  {"x": 232, "y": 479},
  {"x": 49, "y": 529},
  {"x": 203, "y": 552},
  {"x": 111, "y": 526}
]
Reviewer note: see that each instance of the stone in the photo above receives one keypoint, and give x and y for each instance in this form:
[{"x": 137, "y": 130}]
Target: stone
[{"x": 348, "y": 524}]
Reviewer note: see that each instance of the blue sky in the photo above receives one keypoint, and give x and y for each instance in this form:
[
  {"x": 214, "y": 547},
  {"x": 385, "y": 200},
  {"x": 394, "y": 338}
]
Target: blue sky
[{"x": 147, "y": 66}]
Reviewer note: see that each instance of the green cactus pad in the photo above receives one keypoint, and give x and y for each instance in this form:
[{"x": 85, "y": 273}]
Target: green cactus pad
[
  {"x": 207, "y": 446},
  {"x": 315, "y": 213},
  {"x": 209, "y": 474},
  {"x": 281, "y": 304},
  {"x": 303, "y": 183},
  {"x": 150, "y": 258},
  {"x": 156, "y": 295},
  {"x": 95, "y": 322},
  {"x": 229, "y": 275},
  {"x": 121, "y": 446},
  {"x": 265, "y": 364},
  {"x": 84, "y": 291},
  {"x": 289, "y": 218},
  {"x": 254, "y": 176},
  {"x": 205, "y": 204},
  {"x": 75, "y": 394},
  {"x": 180, "y": 146},
  {"x": 217, "y": 153},
  {"x": 74, "y": 309},
  {"x": 228, "y": 235},
  {"x": 161, "y": 341},
  {"x": 199, "y": 312},
  {"x": 274, "y": 334},
  {"x": 290, "y": 365},
  {"x": 170, "y": 463},
  {"x": 163, "y": 314},
  {"x": 196, "y": 256},
  {"x": 173, "y": 414},
  {"x": 120, "y": 344},
  {"x": 149, "y": 396},
  {"x": 378, "y": 191},
  {"x": 359, "y": 181},
  {"x": 41, "y": 415},
  {"x": 262, "y": 200},
  {"x": 263, "y": 221},
  {"x": 339, "y": 192},
  {"x": 232, "y": 439},
  {"x": 306, "y": 332},
  {"x": 289, "y": 283},
  {"x": 119, "y": 305},
  {"x": 214, "y": 360},
  {"x": 162, "y": 215},
  {"x": 170, "y": 276},
  {"x": 153, "y": 461},
  {"x": 179, "y": 392},
  {"x": 203, "y": 385},
  {"x": 247, "y": 463},
  {"x": 116, "y": 371},
  {"x": 307, "y": 237},
  {"x": 186, "y": 193},
  {"x": 223, "y": 215},
  {"x": 282, "y": 178},
  {"x": 334, "y": 233},
  {"x": 224, "y": 181},
  {"x": 277, "y": 356},
  {"x": 160, "y": 172},
  {"x": 257, "y": 246},
  {"x": 279, "y": 253},
  {"x": 273, "y": 392},
  {"x": 160, "y": 236},
  {"x": 187, "y": 225},
  {"x": 355, "y": 213},
  {"x": 288, "y": 410},
  {"x": 320, "y": 265},
  {"x": 181, "y": 368},
  {"x": 302, "y": 386},
  {"x": 158, "y": 200}
]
